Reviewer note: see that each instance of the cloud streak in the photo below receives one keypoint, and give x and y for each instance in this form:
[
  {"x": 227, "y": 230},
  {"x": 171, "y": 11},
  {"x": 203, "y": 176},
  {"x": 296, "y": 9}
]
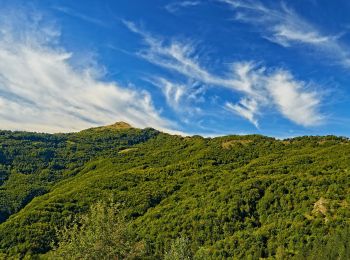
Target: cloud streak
[
  {"x": 176, "y": 6},
  {"x": 84, "y": 17},
  {"x": 40, "y": 89},
  {"x": 183, "y": 98},
  {"x": 282, "y": 25},
  {"x": 246, "y": 108},
  {"x": 258, "y": 87}
]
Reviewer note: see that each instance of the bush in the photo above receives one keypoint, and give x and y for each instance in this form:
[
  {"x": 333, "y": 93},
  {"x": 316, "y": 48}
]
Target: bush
[{"x": 100, "y": 234}]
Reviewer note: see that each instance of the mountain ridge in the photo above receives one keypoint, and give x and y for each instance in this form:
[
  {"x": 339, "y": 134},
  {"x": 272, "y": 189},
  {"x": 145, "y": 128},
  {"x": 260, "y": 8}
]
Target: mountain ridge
[{"x": 217, "y": 192}]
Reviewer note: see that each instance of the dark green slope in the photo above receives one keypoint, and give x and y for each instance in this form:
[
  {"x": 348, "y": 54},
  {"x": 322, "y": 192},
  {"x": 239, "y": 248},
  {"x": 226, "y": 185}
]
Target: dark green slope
[
  {"x": 233, "y": 196},
  {"x": 31, "y": 163}
]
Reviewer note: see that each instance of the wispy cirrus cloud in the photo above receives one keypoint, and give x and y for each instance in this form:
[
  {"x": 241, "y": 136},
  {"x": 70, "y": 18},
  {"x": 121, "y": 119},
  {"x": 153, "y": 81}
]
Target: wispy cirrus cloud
[
  {"x": 258, "y": 87},
  {"x": 176, "y": 56},
  {"x": 70, "y": 12},
  {"x": 282, "y": 25},
  {"x": 40, "y": 89},
  {"x": 246, "y": 108},
  {"x": 176, "y": 6},
  {"x": 277, "y": 89},
  {"x": 293, "y": 101},
  {"x": 183, "y": 98}
]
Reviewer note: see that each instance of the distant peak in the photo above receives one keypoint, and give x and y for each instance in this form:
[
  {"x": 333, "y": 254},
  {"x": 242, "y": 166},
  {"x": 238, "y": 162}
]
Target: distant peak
[
  {"x": 119, "y": 125},
  {"x": 115, "y": 126}
]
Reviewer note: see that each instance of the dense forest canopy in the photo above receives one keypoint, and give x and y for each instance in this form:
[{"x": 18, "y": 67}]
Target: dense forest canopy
[{"x": 173, "y": 197}]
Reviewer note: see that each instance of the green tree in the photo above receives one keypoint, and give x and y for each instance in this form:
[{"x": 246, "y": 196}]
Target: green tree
[
  {"x": 102, "y": 233},
  {"x": 179, "y": 250}
]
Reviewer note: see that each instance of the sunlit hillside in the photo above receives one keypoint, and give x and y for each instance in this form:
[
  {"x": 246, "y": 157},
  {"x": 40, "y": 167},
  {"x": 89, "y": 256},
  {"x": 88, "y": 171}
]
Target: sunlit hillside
[{"x": 168, "y": 196}]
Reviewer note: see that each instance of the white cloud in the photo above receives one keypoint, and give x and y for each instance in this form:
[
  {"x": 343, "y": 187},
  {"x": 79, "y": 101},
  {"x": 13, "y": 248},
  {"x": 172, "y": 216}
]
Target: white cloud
[
  {"x": 181, "y": 97},
  {"x": 177, "y": 56},
  {"x": 180, "y": 57},
  {"x": 247, "y": 108},
  {"x": 40, "y": 89},
  {"x": 282, "y": 25},
  {"x": 294, "y": 103},
  {"x": 84, "y": 17},
  {"x": 277, "y": 89},
  {"x": 173, "y": 92},
  {"x": 258, "y": 87},
  {"x": 175, "y": 6}
]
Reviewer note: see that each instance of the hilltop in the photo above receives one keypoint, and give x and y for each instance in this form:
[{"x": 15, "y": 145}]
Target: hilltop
[
  {"x": 226, "y": 197},
  {"x": 117, "y": 125}
]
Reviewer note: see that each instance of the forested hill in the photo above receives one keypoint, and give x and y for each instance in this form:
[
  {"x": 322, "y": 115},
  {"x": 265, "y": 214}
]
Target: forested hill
[{"x": 152, "y": 195}]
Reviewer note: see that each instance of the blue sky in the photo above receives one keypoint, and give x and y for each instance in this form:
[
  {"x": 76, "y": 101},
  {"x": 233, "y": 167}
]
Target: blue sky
[{"x": 215, "y": 67}]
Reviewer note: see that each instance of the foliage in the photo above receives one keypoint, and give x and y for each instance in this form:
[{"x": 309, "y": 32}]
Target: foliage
[
  {"x": 100, "y": 234},
  {"x": 334, "y": 246},
  {"x": 179, "y": 250},
  {"x": 221, "y": 198},
  {"x": 31, "y": 163}
]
